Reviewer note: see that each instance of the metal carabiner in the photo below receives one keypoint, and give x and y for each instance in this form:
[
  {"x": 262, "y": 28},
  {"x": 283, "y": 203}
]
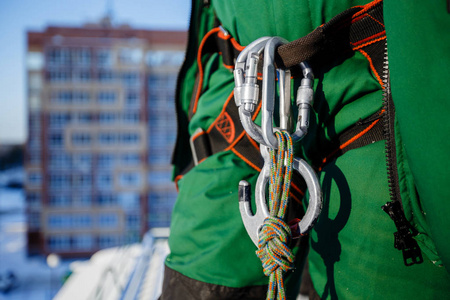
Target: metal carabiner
[
  {"x": 246, "y": 91},
  {"x": 304, "y": 102},
  {"x": 254, "y": 222}
]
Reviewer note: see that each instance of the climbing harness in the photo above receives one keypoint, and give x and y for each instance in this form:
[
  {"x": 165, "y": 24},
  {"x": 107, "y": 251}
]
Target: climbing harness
[
  {"x": 267, "y": 228},
  {"x": 358, "y": 29}
]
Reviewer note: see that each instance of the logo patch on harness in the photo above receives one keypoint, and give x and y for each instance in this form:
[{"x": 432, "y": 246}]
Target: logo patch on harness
[{"x": 225, "y": 126}]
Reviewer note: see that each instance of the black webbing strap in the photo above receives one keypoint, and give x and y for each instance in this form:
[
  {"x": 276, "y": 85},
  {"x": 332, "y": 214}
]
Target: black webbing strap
[
  {"x": 364, "y": 132},
  {"x": 351, "y": 30}
]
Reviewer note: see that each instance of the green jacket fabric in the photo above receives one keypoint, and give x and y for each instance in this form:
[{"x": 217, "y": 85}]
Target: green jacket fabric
[{"x": 351, "y": 253}]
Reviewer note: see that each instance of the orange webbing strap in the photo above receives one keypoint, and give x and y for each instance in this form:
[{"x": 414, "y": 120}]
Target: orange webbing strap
[{"x": 215, "y": 41}]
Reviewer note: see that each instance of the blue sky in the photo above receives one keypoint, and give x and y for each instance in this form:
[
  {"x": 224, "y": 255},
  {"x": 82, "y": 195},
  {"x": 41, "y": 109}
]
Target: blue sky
[{"x": 18, "y": 16}]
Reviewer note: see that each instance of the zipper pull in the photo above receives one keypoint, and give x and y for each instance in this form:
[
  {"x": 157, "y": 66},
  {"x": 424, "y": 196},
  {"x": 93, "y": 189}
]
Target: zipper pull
[{"x": 403, "y": 238}]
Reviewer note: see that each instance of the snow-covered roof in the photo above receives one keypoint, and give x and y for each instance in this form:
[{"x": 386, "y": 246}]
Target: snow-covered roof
[{"x": 127, "y": 272}]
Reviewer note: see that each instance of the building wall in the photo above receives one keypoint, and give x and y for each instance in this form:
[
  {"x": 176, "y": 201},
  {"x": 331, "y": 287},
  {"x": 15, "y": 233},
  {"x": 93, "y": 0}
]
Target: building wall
[{"x": 101, "y": 131}]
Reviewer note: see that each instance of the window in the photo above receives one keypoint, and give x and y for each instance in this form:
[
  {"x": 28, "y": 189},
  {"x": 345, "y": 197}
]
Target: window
[
  {"x": 82, "y": 181},
  {"x": 58, "y": 119},
  {"x": 161, "y": 177},
  {"x": 107, "y": 117},
  {"x": 83, "y": 241},
  {"x": 130, "y": 56},
  {"x": 131, "y": 159},
  {"x": 81, "y": 97},
  {"x": 81, "y": 138},
  {"x": 164, "y": 58},
  {"x": 132, "y": 237},
  {"x": 104, "y": 58},
  {"x": 82, "y": 162},
  {"x": 59, "y": 181},
  {"x": 81, "y": 57},
  {"x": 106, "y": 160},
  {"x": 107, "y": 138},
  {"x": 35, "y": 61},
  {"x": 84, "y": 118},
  {"x": 108, "y": 220},
  {"x": 133, "y": 221},
  {"x": 34, "y": 141},
  {"x": 34, "y": 178},
  {"x": 81, "y": 76},
  {"x": 106, "y": 97},
  {"x": 131, "y": 117},
  {"x": 82, "y": 200},
  {"x": 59, "y": 200},
  {"x": 130, "y": 138},
  {"x": 104, "y": 181},
  {"x": 105, "y": 241},
  {"x": 59, "y": 160},
  {"x": 59, "y": 243},
  {"x": 58, "y": 56},
  {"x": 34, "y": 121},
  {"x": 131, "y": 79},
  {"x": 34, "y": 157},
  {"x": 33, "y": 199},
  {"x": 81, "y": 221},
  {"x": 62, "y": 97},
  {"x": 106, "y": 200},
  {"x": 59, "y": 75},
  {"x": 35, "y": 81},
  {"x": 59, "y": 221},
  {"x": 130, "y": 179},
  {"x": 129, "y": 200},
  {"x": 34, "y": 220},
  {"x": 159, "y": 217},
  {"x": 105, "y": 76},
  {"x": 132, "y": 99}
]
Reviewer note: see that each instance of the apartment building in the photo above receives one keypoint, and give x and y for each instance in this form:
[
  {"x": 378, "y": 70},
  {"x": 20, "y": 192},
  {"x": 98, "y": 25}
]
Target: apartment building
[{"x": 101, "y": 131}]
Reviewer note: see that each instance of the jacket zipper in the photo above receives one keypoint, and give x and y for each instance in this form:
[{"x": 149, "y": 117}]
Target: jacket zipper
[{"x": 403, "y": 238}]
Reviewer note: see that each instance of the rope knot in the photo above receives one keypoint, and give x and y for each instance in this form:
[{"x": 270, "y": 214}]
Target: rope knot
[
  {"x": 275, "y": 234},
  {"x": 273, "y": 248}
]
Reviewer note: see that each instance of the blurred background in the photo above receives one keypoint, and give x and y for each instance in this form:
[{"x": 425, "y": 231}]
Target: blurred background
[{"x": 87, "y": 127}]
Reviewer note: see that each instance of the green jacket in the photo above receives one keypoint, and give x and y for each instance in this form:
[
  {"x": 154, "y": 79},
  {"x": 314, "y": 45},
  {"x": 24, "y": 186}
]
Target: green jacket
[{"x": 351, "y": 253}]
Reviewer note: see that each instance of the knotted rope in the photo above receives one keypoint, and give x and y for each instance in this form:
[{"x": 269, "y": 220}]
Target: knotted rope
[{"x": 275, "y": 235}]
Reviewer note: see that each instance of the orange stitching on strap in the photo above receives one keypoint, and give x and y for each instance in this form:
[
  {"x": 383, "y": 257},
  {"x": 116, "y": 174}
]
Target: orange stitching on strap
[
  {"x": 363, "y": 41},
  {"x": 225, "y": 126},
  {"x": 200, "y": 67},
  {"x": 372, "y": 67},
  {"x": 376, "y": 20},
  {"x": 367, "y": 7},
  {"x": 347, "y": 143},
  {"x": 369, "y": 43},
  {"x": 246, "y": 160},
  {"x": 221, "y": 112},
  {"x": 356, "y": 19}
]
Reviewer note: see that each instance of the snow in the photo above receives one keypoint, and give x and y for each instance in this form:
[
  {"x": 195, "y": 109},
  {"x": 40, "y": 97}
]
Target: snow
[{"x": 36, "y": 280}]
